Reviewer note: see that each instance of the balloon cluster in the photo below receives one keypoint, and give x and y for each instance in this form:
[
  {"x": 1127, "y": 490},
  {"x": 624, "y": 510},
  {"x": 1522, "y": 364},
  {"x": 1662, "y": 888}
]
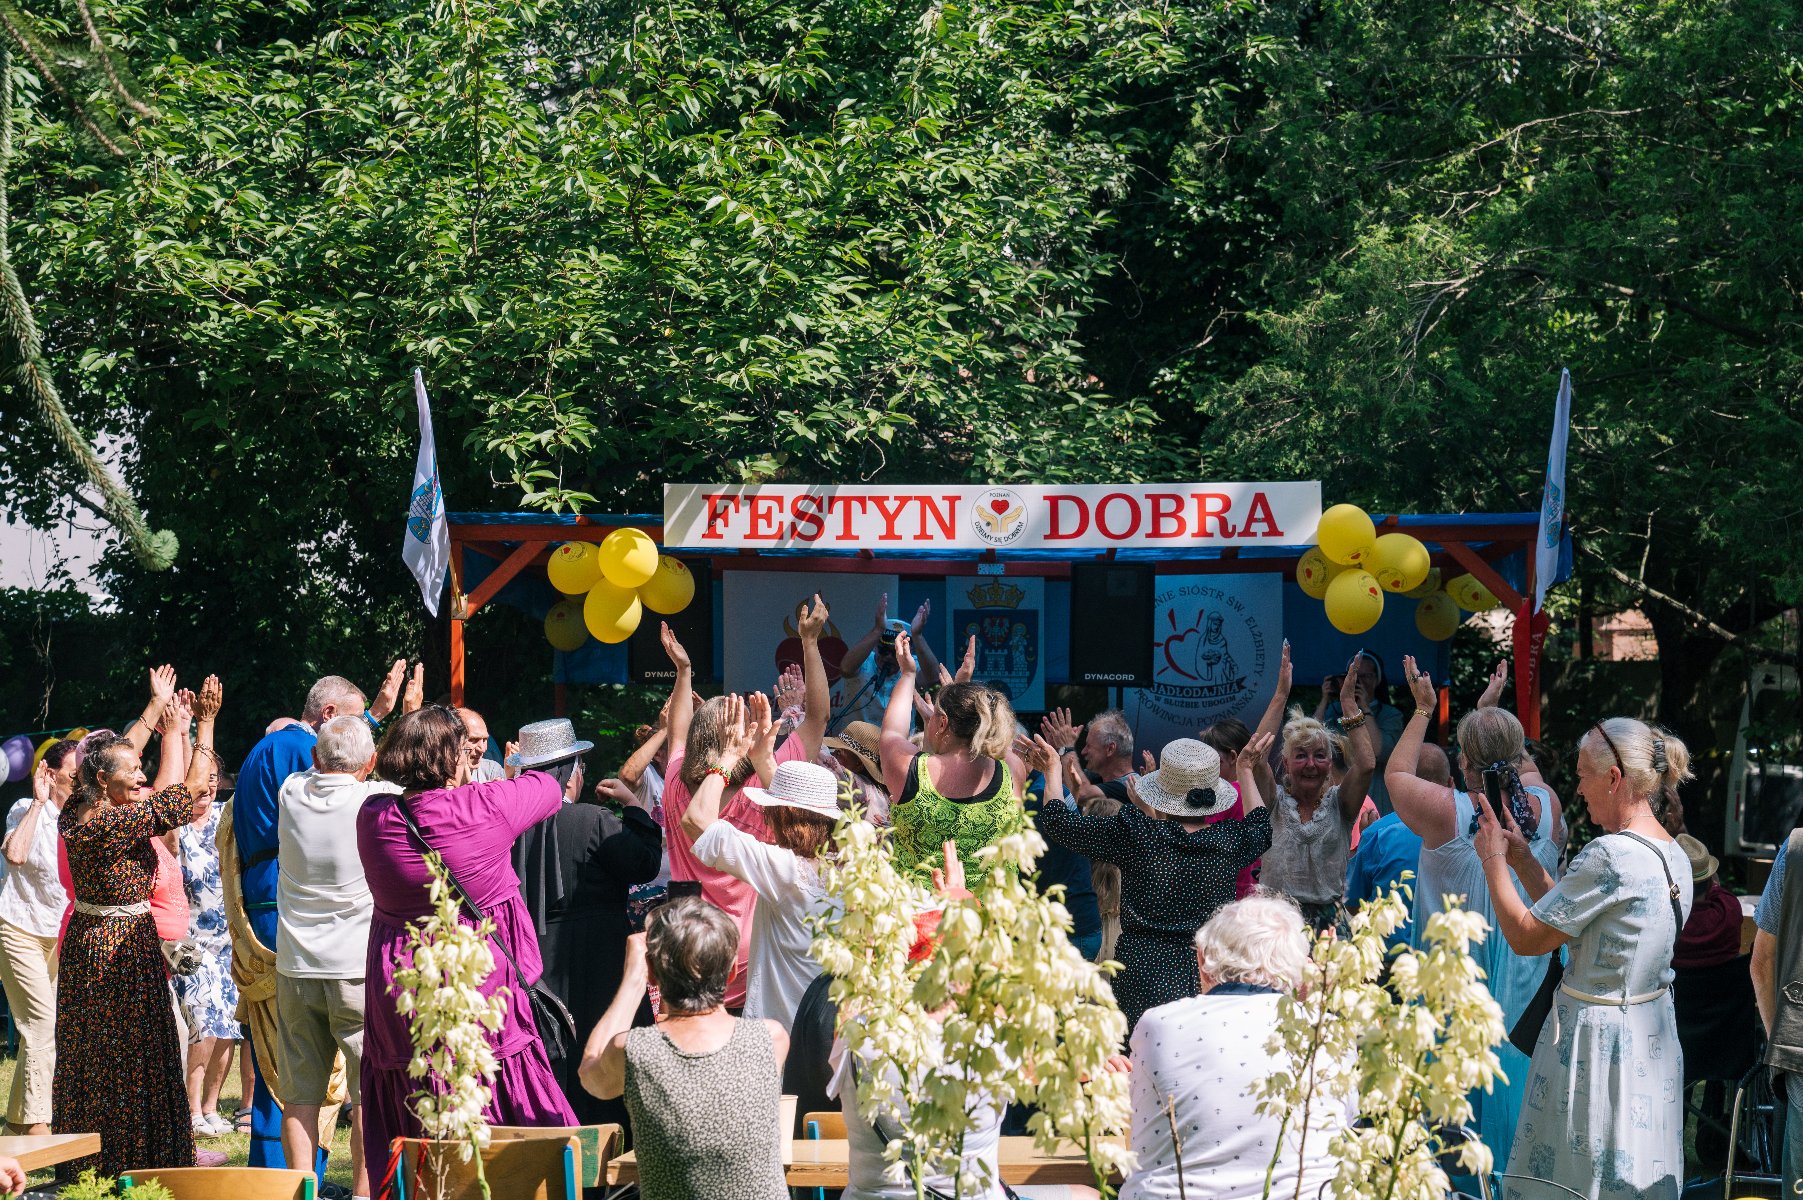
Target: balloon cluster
[
  {"x": 622, "y": 577},
  {"x": 18, "y": 759},
  {"x": 1351, "y": 569}
]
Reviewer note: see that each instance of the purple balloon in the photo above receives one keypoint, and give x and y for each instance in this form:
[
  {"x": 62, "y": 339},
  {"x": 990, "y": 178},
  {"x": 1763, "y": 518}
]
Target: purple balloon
[{"x": 18, "y": 758}]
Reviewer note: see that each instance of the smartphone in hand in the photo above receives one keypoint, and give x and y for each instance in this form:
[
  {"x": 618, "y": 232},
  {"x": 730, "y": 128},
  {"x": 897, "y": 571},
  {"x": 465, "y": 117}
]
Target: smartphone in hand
[{"x": 1493, "y": 791}]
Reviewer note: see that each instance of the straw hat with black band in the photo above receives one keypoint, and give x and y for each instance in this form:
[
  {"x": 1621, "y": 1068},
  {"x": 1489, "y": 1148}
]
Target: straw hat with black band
[
  {"x": 859, "y": 739},
  {"x": 1187, "y": 784}
]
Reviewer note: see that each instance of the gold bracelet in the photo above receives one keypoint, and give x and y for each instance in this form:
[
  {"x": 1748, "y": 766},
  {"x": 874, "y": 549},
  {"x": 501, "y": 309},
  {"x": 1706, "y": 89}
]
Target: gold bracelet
[
  {"x": 1424, "y": 712},
  {"x": 1352, "y": 722}
]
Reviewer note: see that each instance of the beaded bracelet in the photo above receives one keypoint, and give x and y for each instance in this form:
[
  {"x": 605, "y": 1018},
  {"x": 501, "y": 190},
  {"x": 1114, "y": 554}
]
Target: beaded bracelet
[
  {"x": 1424, "y": 712},
  {"x": 1352, "y": 722},
  {"x": 722, "y": 772}
]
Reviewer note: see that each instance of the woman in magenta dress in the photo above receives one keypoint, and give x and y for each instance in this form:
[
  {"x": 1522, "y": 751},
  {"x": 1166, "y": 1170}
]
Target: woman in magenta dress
[{"x": 473, "y": 827}]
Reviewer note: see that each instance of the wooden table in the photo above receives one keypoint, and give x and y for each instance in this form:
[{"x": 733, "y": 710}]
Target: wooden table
[
  {"x": 824, "y": 1164},
  {"x": 46, "y": 1150}
]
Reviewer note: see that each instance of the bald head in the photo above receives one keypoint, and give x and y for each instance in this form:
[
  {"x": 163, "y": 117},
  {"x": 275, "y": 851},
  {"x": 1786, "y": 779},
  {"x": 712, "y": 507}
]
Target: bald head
[
  {"x": 475, "y": 739},
  {"x": 1433, "y": 766}
]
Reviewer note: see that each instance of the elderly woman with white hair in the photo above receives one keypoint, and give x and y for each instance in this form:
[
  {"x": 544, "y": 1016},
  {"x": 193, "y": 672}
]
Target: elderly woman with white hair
[{"x": 1196, "y": 1062}]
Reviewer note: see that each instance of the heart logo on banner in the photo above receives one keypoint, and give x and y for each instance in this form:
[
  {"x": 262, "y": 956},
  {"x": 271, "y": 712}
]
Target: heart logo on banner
[{"x": 998, "y": 506}]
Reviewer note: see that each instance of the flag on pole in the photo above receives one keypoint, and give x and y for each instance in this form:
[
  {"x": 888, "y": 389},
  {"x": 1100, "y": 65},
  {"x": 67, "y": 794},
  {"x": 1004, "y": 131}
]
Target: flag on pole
[
  {"x": 1552, "y": 501},
  {"x": 427, "y": 548},
  {"x": 1532, "y": 623}
]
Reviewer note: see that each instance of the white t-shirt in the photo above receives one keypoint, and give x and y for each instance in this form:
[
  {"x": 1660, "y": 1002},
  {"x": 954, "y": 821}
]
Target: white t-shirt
[
  {"x": 323, "y": 904},
  {"x": 31, "y": 896},
  {"x": 487, "y": 770},
  {"x": 788, "y": 890},
  {"x": 1206, "y": 1053}
]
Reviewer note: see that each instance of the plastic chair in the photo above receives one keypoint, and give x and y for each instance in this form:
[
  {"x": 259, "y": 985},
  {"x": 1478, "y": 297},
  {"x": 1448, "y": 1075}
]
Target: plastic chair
[
  {"x": 540, "y": 1167},
  {"x": 225, "y": 1183},
  {"x": 823, "y": 1127},
  {"x": 599, "y": 1144}
]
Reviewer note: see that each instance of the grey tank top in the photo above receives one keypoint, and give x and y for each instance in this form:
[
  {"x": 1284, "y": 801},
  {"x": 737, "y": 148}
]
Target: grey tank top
[
  {"x": 1307, "y": 859},
  {"x": 706, "y": 1124}
]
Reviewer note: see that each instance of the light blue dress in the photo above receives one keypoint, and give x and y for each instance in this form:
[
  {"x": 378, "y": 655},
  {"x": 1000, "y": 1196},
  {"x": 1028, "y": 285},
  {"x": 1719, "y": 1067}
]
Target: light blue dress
[
  {"x": 1453, "y": 868},
  {"x": 1604, "y": 1112}
]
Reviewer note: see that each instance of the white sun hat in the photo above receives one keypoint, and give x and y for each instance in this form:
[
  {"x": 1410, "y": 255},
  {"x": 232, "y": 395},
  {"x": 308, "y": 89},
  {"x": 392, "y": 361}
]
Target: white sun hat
[
  {"x": 1187, "y": 782},
  {"x": 804, "y": 785}
]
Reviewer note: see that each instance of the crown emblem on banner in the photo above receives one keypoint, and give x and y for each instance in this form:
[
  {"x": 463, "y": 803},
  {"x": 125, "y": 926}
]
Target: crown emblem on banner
[{"x": 996, "y": 594}]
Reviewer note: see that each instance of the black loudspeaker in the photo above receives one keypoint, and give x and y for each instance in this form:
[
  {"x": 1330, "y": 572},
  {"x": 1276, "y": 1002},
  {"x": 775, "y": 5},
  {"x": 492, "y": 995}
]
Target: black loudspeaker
[
  {"x": 1111, "y": 623},
  {"x": 646, "y": 661}
]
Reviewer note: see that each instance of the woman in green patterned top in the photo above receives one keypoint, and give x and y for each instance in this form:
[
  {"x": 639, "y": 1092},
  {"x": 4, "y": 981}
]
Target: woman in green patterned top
[{"x": 965, "y": 787}]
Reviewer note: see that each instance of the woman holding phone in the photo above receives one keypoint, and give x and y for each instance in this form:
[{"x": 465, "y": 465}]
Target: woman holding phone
[{"x": 1446, "y": 820}]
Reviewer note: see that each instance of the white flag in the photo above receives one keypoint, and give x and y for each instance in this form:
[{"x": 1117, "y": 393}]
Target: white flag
[
  {"x": 1552, "y": 502},
  {"x": 427, "y": 548}
]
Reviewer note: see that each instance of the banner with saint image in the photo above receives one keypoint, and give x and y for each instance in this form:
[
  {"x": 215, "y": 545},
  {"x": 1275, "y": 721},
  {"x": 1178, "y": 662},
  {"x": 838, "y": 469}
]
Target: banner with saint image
[{"x": 1216, "y": 644}]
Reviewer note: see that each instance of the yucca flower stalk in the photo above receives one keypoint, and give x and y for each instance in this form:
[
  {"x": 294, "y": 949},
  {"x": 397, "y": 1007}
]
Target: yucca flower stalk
[{"x": 439, "y": 991}]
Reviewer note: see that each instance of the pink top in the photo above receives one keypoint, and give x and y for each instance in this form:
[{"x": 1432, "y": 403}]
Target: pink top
[
  {"x": 732, "y": 896},
  {"x": 1243, "y": 883}
]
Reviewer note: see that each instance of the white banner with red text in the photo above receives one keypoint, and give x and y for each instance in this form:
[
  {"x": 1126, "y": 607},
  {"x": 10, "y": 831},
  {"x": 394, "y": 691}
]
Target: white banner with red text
[{"x": 1092, "y": 516}]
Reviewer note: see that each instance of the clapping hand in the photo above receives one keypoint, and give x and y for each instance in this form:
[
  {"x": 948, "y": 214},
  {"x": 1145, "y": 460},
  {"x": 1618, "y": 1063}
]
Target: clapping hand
[
  {"x": 1493, "y": 690},
  {"x": 905, "y": 665},
  {"x": 967, "y": 667},
  {"x": 1147, "y": 763},
  {"x": 415, "y": 695},
  {"x": 1252, "y": 754},
  {"x": 162, "y": 684},
  {"x": 736, "y": 733},
  {"x": 679, "y": 657},
  {"x": 920, "y": 616},
  {"x": 390, "y": 692},
  {"x": 762, "y": 725},
  {"x": 791, "y": 691},
  {"x": 1037, "y": 753},
  {"x": 211, "y": 699},
  {"x": 1349, "y": 694},
  {"x": 1057, "y": 728},
  {"x": 950, "y": 878}
]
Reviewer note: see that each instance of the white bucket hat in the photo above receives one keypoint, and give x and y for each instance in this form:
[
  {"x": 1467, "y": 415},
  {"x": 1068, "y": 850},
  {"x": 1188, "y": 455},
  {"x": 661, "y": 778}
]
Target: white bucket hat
[
  {"x": 1187, "y": 782},
  {"x": 804, "y": 785},
  {"x": 545, "y": 742}
]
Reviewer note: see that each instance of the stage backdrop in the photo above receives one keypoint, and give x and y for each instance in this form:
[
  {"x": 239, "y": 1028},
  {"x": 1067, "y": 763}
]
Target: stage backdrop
[
  {"x": 759, "y": 616},
  {"x": 1007, "y": 617},
  {"x": 1215, "y": 649}
]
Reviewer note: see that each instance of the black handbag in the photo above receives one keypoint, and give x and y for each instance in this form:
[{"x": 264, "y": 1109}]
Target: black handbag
[
  {"x": 1527, "y": 1029},
  {"x": 556, "y": 1027}
]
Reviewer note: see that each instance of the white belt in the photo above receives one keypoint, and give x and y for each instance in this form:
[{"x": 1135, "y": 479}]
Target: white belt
[
  {"x": 113, "y": 910},
  {"x": 1611, "y": 1001}
]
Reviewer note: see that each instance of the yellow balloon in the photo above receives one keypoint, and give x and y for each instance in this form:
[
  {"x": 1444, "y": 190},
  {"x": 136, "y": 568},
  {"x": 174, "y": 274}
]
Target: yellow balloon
[
  {"x": 1471, "y": 595},
  {"x": 43, "y": 749},
  {"x": 1437, "y": 617},
  {"x": 1314, "y": 571},
  {"x": 671, "y": 589},
  {"x": 611, "y": 613},
  {"x": 1400, "y": 562},
  {"x": 1346, "y": 535},
  {"x": 1426, "y": 587},
  {"x": 563, "y": 625},
  {"x": 574, "y": 568},
  {"x": 1355, "y": 601},
  {"x": 628, "y": 558}
]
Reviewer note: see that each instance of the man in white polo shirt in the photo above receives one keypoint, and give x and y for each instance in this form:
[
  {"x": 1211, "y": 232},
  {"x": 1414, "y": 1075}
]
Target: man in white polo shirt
[{"x": 322, "y": 935}]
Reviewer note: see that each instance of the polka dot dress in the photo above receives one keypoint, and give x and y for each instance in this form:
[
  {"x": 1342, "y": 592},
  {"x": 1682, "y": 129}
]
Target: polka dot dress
[{"x": 1172, "y": 880}]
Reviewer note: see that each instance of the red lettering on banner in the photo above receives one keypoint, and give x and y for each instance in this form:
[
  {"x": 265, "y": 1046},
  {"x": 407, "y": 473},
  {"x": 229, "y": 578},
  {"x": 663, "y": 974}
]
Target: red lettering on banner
[
  {"x": 1054, "y": 530},
  {"x": 1260, "y": 511},
  {"x": 947, "y": 520},
  {"x": 719, "y": 507},
  {"x": 1102, "y": 516},
  {"x": 766, "y": 516},
  {"x": 844, "y": 505},
  {"x": 890, "y": 516},
  {"x": 1213, "y": 507},
  {"x": 1167, "y": 515},
  {"x": 807, "y": 516}
]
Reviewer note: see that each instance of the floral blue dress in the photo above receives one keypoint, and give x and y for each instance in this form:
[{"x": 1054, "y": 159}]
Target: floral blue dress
[
  {"x": 1603, "y": 1113},
  {"x": 209, "y": 997}
]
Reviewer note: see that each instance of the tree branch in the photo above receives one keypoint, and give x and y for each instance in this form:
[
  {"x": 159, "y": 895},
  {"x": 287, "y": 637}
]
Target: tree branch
[{"x": 1701, "y": 620}]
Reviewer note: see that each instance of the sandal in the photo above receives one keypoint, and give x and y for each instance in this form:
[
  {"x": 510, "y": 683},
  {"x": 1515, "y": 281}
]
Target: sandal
[{"x": 241, "y": 1121}]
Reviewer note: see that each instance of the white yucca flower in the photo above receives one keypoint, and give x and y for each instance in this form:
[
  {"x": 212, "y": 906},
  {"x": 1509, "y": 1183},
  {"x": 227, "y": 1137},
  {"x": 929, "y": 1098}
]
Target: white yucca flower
[
  {"x": 449, "y": 1020},
  {"x": 1410, "y": 1051}
]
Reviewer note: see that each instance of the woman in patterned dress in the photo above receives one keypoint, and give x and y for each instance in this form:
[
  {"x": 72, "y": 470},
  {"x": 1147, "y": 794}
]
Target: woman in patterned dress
[
  {"x": 1602, "y": 1114},
  {"x": 118, "y": 1064},
  {"x": 965, "y": 787},
  {"x": 209, "y": 997}
]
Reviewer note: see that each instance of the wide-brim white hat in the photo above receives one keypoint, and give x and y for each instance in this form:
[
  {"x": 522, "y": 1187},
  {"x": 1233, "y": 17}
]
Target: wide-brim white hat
[
  {"x": 804, "y": 785},
  {"x": 1187, "y": 782},
  {"x": 545, "y": 742}
]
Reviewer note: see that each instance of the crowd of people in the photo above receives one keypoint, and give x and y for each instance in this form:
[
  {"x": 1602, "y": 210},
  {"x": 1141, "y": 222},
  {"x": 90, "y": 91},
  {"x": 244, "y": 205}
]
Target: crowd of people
[{"x": 667, "y": 910}]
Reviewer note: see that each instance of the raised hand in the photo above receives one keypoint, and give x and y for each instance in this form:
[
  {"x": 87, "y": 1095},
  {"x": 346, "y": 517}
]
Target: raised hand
[
  {"x": 508, "y": 764},
  {"x": 1493, "y": 690},
  {"x": 904, "y": 655},
  {"x": 672, "y": 647},
  {"x": 920, "y": 617},
  {"x": 1038, "y": 754},
  {"x": 1421, "y": 687},
  {"x": 1147, "y": 763},
  {"x": 389, "y": 694},
  {"x": 950, "y": 878},
  {"x": 736, "y": 733},
  {"x": 1253, "y": 753},
  {"x": 416, "y": 690},
  {"x": 211, "y": 699},
  {"x": 1349, "y": 695},
  {"x": 1057, "y": 728},
  {"x": 1286, "y": 674},
  {"x": 162, "y": 683},
  {"x": 882, "y": 612},
  {"x": 791, "y": 691},
  {"x": 762, "y": 724},
  {"x": 809, "y": 622},
  {"x": 184, "y": 706},
  {"x": 40, "y": 782},
  {"x": 968, "y": 666}
]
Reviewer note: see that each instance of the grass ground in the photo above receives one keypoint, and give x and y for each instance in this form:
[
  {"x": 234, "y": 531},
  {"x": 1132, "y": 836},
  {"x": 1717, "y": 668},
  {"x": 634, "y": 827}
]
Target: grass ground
[{"x": 236, "y": 1146}]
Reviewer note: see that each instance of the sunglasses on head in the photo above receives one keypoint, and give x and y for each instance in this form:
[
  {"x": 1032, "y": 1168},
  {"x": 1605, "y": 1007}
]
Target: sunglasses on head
[{"x": 1609, "y": 742}]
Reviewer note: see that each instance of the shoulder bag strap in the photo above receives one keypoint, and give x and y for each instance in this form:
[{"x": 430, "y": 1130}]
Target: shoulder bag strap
[
  {"x": 1672, "y": 884},
  {"x": 463, "y": 895}
]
